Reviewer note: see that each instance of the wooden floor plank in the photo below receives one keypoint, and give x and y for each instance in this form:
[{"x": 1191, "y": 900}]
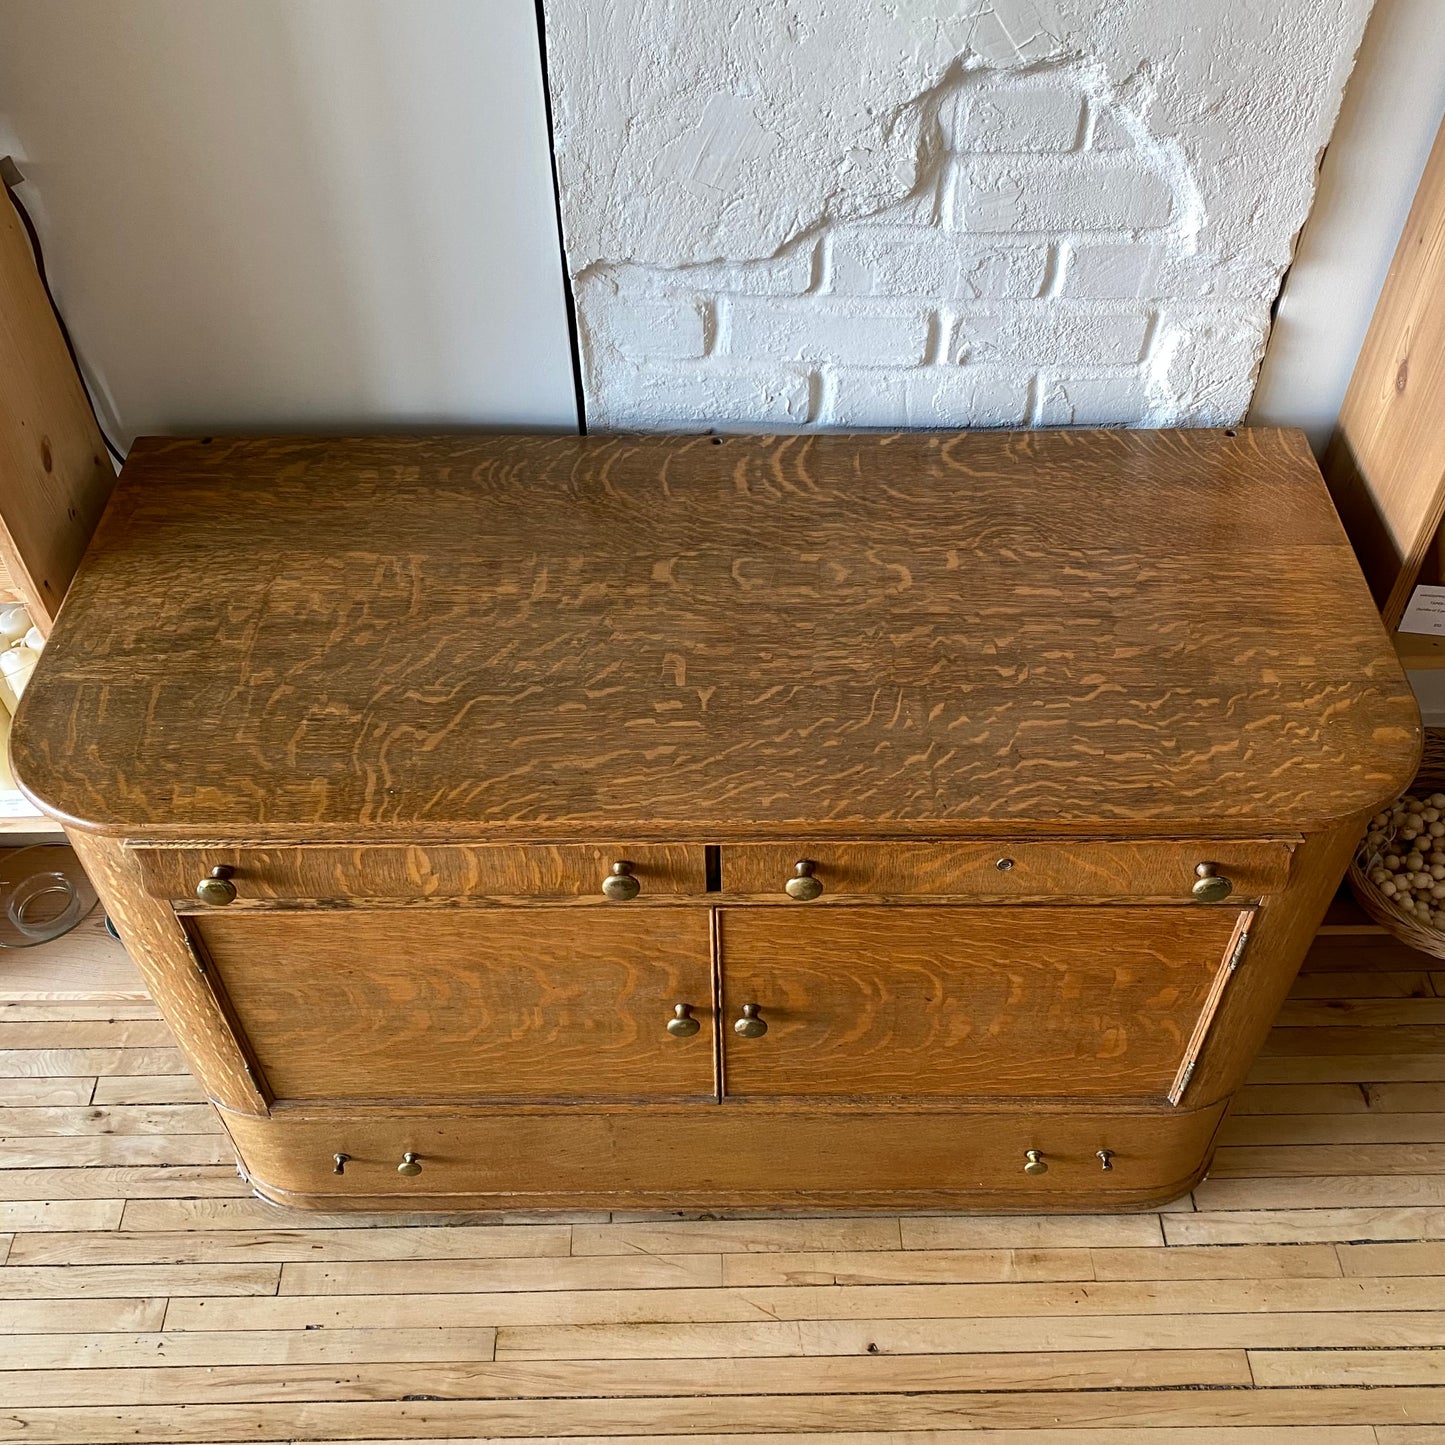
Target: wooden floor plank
[
  {"x": 1258, "y": 1330},
  {"x": 1415, "y": 1258},
  {"x": 280, "y": 1246},
  {"x": 49, "y": 1215},
  {"x": 1024, "y": 1231},
  {"x": 1372, "y": 1160},
  {"x": 1305, "y": 1226},
  {"x": 920, "y": 1266},
  {"x": 148, "y": 1089},
  {"x": 1335, "y": 1098},
  {"x": 1274, "y": 1368},
  {"x": 45, "y": 1063},
  {"x": 1360, "y": 984},
  {"x": 85, "y": 1151},
  {"x": 683, "y": 1304},
  {"x": 24, "y": 1093},
  {"x": 465, "y": 1276},
  {"x": 159, "y": 1212},
  {"x": 1321, "y": 1191},
  {"x": 67, "y": 1033},
  {"x": 1394, "y": 1013},
  {"x": 119, "y": 1350},
  {"x": 140, "y": 1182},
  {"x": 1334, "y": 1129},
  {"x": 737, "y": 1236},
  {"x": 128, "y": 1281},
  {"x": 1373, "y": 1067},
  {"x": 34, "y": 1123},
  {"x": 622, "y": 1379},
  {"x": 54, "y": 1316},
  {"x": 600, "y": 1418}
]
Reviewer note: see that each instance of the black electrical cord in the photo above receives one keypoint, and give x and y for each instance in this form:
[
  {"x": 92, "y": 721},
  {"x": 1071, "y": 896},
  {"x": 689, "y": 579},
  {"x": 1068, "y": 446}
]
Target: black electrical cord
[{"x": 11, "y": 177}]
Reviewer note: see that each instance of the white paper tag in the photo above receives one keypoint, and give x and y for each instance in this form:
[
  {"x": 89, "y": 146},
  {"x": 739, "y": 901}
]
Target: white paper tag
[{"x": 1426, "y": 612}]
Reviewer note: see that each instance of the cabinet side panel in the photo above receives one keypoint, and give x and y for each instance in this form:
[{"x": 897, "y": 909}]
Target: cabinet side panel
[
  {"x": 157, "y": 943},
  {"x": 1278, "y": 940}
]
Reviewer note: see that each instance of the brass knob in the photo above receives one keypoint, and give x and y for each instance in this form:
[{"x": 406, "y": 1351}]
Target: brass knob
[
  {"x": 410, "y": 1165},
  {"x": 750, "y": 1026},
  {"x": 1034, "y": 1162},
  {"x": 216, "y": 888},
  {"x": 1105, "y": 1158},
  {"x": 682, "y": 1025},
  {"x": 620, "y": 885},
  {"x": 338, "y": 1162},
  {"x": 1213, "y": 886},
  {"x": 802, "y": 885}
]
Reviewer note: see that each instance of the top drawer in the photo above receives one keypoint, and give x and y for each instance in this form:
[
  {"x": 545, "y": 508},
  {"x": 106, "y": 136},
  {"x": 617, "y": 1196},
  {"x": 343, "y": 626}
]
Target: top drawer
[
  {"x": 1157, "y": 870},
  {"x": 431, "y": 873}
]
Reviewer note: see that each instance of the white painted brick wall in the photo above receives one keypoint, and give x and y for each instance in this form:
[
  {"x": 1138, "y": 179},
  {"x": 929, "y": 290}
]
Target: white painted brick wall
[{"x": 799, "y": 216}]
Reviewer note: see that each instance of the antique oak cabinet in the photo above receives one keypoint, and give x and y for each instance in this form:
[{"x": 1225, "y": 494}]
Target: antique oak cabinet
[{"x": 827, "y": 821}]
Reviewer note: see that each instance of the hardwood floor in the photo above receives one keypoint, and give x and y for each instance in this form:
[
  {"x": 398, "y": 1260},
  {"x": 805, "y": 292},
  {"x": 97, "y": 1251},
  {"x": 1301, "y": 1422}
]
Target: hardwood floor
[{"x": 1298, "y": 1297}]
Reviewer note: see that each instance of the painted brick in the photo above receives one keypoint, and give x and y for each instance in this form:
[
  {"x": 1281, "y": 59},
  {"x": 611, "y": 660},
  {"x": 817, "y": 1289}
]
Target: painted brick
[
  {"x": 702, "y": 395},
  {"x": 1092, "y": 400},
  {"x": 1061, "y": 193},
  {"x": 645, "y": 329},
  {"x": 898, "y": 261},
  {"x": 1052, "y": 334},
  {"x": 820, "y": 329},
  {"x": 869, "y": 122},
  {"x": 929, "y": 396},
  {"x": 1110, "y": 272},
  {"x": 1024, "y": 119},
  {"x": 1108, "y": 131}
]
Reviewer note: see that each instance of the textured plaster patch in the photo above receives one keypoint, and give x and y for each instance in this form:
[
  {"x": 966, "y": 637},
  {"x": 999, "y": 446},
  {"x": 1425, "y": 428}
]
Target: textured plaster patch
[{"x": 708, "y": 153}]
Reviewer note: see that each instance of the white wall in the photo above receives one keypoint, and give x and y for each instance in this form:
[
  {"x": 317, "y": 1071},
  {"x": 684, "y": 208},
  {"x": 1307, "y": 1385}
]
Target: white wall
[
  {"x": 1392, "y": 112},
  {"x": 295, "y": 213},
  {"x": 932, "y": 213}
]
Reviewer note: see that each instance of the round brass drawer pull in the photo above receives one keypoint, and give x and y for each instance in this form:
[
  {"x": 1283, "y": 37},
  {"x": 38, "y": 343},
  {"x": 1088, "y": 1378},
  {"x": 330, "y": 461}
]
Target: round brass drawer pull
[
  {"x": 802, "y": 885},
  {"x": 216, "y": 888},
  {"x": 682, "y": 1025},
  {"x": 620, "y": 885},
  {"x": 339, "y": 1163},
  {"x": 750, "y": 1026},
  {"x": 1212, "y": 886},
  {"x": 410, "y": 1165},
  {"x": 1105, "y": 1158},
  {"x": 1034, "y": 1162}
]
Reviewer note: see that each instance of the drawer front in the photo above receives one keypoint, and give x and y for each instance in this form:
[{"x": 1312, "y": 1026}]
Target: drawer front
[
  {"x": 667, "y": 1158},
  {"x": 556, "y": 1004},
  {"x": 1007, "y": 870},
  {"x": 978, "y": 1000},
  {"x": 421, "y": 873}
]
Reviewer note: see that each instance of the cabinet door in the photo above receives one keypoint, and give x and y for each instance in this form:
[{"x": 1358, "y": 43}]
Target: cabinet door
[
  {"x": 546, "y": 1005},
  {"x": 1006, "y": 1001}
]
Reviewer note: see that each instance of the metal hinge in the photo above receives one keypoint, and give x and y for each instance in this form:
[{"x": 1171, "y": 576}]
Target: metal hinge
[
  {"x": 1236, "y": 956},
  {"x": 1188, "y": 1074}
]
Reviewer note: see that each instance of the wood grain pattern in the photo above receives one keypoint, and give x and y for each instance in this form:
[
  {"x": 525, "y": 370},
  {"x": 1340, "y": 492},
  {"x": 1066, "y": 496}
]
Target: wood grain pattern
[
  {"x": 892, "y": 1002},
  {"x": 1034, "y": 870},
  {"x": 552, "y": 1004},
  {"x": 158, "y": 945},
  {"x": 1386, "y": 459},
  {"x": 423, "y": 874},
  {"x": 54, "y": 473},
  {"x": 734, "y": 1157},
  {"x": 718, "y": 638}
]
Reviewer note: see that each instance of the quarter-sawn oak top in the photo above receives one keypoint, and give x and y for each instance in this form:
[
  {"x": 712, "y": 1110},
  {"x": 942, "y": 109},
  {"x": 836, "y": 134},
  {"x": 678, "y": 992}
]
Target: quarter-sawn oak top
[{"x": 717, "y": 638}]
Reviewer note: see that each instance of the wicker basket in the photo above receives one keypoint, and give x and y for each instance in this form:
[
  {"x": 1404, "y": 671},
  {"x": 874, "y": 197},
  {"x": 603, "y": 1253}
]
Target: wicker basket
[{"x": 1430, "y": 779}]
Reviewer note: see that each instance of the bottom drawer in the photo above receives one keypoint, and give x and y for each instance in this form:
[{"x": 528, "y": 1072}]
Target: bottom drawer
[{"x": 726, "y": 1157}]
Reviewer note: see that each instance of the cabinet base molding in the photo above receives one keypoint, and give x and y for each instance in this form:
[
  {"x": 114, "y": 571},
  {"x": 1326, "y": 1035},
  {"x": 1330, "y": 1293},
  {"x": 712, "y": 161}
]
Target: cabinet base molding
[{"x": 723, "y": 1158}]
